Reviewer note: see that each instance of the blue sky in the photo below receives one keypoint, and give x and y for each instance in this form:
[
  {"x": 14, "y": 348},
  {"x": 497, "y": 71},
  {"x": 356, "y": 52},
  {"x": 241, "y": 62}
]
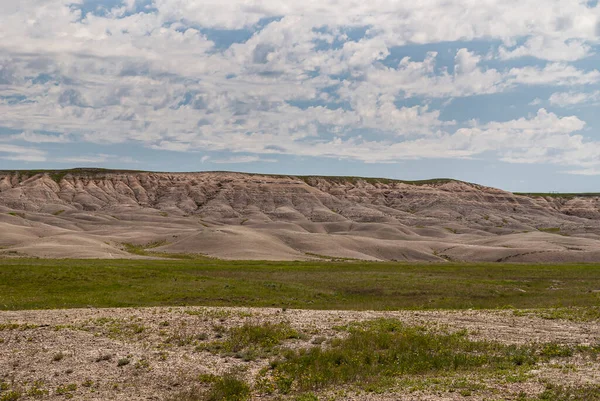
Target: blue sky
[{"x": 503, "y": 93}]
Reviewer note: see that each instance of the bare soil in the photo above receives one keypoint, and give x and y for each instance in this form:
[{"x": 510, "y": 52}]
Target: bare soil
[
  {"x": 87, "y": 349},
  {"x": 242, "y": 216}
]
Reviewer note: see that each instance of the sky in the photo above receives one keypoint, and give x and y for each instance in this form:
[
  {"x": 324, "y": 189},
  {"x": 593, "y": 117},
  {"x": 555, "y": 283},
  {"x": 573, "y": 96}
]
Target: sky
[{"x": 503, "y": 93}]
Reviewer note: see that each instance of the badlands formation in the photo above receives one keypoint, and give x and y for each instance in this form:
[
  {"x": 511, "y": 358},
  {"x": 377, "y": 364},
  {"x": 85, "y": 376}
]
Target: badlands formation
[{"x": 89, "y": 213}]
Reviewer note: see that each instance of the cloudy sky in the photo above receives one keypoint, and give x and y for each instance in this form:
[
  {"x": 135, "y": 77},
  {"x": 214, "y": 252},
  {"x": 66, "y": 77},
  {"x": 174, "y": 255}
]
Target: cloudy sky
[{"x": 498, "y": 92}]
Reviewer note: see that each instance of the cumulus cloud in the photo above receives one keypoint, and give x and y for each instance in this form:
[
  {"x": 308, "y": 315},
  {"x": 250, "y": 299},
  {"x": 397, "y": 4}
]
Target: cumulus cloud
[
  {"x": 310, "y": 78},
  {"x": 21, "y": 153},
  {"x": 28, "y": 136},
  {"x": 549, "y": 48},
  {"x": 565, "y": 99},
  {"x": 244, "y": 159},
  {"x": 93, "y": 159}
]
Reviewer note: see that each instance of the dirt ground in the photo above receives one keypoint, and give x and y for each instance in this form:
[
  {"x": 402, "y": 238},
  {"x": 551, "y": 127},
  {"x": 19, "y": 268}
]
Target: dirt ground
[{"x": 152, "y": 353}]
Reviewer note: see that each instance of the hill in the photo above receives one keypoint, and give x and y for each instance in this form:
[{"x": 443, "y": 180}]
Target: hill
[{"x": 100, "y": 213}]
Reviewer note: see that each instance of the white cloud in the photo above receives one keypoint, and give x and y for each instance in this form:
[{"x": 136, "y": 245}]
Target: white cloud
[
  {"x": 21, "y": 153},
  {"x": 157, "y": 80},
  {"x": 96, "y": 159},
  {"x": 552, "y": 74},
  {"x": 548, "y": 48},
  {"x": 28, "y": 136},
  {"x": 565, "y": 99},
  {"x": 587, "y": 171},
  {"x": 243, "y": 159}
]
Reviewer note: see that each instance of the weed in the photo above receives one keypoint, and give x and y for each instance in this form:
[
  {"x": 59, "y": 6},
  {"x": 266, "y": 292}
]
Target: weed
[
  {"x": 553, "y": 230},
  {"x": 319, "y": 340},
  {"x": 123, "y": 362},
  {"x": 209, "y": 313},
  {"x": 222, "y": 388},
  {"x": 376, "y": 352},
  {"x": 58, "y": 212},
  {"x": 118, "y": 328},
  {"x": 142, "y": 364},
  {"x": 559, "y": 393},
  {"x": 12, "y": 395},
  {"x": 17, "y": 214},
  {"x": 37, "y": 389},
  {"x": 553, "y": 350},
  {"x": 574, "y": 314},
  {"x": 104, "y": 357},
  {"x": 181, "y": 337},
  {"x": 306, "y": 397},
  {"x": 228, "y": 388},
  {"x": 253, "y": 341},
  {"x": 59, "y": 356},
  {"x": 17, "y": 326},
  {"x": 66, "y": 389}
]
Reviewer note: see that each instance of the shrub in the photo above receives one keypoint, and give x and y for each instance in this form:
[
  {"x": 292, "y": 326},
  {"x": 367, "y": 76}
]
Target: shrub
[{"x": 376, "y": 352}]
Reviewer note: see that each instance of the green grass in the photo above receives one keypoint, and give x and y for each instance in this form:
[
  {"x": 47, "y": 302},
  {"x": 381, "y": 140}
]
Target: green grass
[
  {"x": 590, "y": 392},
  {"x": 253, "y": 341},
  {"x": 574, "y": 314},
  {"x": 54, "y": 283},
  {"x": 146, "y": 250},
  {"x": 377, "y": 353},
  {"x": 552, "y": 230},
  {"x": 222, "y": 388}
]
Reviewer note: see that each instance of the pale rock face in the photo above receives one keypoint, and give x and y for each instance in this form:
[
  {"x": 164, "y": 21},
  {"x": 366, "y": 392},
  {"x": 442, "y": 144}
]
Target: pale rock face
[{"x": 243, "y": 216}]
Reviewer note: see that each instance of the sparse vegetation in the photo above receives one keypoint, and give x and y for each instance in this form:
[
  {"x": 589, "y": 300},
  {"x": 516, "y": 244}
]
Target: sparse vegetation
[
  {"x": 17, "y": 214},
  {"x": 253, "y": 341},
  {"x": 376, "y": 352},
  {"x": 66, "y": 389},
  {"x": 145, "y": 250},
  {"x": 573, "y": 314},
  {"x": 123, "y": 362},
  {"x": 588, "y": 392},
  {"x": 552, "y": 230},
  {"x": 37, "y": 389},
  {"x": 104, "y": 357},
  {"x": 222, "y": 388},
  {"x": 17, "y": 326},
  {"x": 117, "y": 328},
  {"x": 11, "y": 395}
]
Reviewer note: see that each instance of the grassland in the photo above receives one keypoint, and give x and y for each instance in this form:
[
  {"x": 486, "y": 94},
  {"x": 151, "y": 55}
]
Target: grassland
[
  {"x": 334, "y": 353},
  {"x": 51, "y": 284}
]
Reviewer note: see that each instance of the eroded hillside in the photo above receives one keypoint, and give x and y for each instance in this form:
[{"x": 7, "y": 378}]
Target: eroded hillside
[{"x": 92, "y": 213}]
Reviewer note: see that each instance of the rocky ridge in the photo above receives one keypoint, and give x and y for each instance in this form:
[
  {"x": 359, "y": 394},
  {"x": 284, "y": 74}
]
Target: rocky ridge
[{"x": 91, "y": 213}]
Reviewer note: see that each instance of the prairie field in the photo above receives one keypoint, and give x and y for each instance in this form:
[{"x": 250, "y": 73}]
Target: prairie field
[{"x": 206, "y": 329}]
